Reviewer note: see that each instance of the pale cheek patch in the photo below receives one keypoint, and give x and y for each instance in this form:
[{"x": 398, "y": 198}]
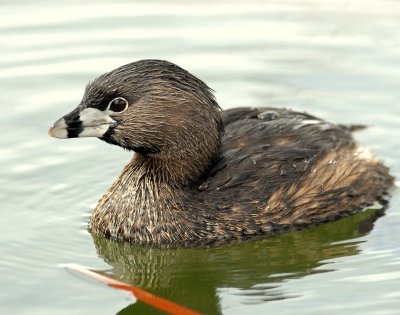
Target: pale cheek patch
[
  {"x": 95, "y": 131},
  {"x": 95, "y": 123},
  {"x": 94, "y": 117}
]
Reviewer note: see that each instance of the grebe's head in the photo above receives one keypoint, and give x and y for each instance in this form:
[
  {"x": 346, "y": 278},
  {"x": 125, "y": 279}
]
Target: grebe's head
[{"x": 149, "y": 106}]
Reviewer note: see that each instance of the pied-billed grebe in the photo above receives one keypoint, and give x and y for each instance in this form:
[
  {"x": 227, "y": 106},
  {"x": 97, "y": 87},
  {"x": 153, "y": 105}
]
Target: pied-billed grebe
[{"x": 201, "y": 175}]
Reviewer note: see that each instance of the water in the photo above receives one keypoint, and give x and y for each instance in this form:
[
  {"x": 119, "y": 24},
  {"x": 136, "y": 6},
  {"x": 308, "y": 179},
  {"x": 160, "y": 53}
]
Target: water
[{"x": 335, "y": 59}]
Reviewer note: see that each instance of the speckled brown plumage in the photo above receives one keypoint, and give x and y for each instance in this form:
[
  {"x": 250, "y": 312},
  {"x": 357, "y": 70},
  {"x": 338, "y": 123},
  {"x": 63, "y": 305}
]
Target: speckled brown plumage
[{"x": 202, "y": 175}]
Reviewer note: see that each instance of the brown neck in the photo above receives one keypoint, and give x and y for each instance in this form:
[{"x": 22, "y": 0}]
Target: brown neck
[
  {"x": 179, "y": 169},
  {"x": 150, "y": 195}
]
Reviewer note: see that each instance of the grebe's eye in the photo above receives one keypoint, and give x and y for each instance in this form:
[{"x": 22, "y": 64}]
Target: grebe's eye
[{"x": 118, "y": 105}]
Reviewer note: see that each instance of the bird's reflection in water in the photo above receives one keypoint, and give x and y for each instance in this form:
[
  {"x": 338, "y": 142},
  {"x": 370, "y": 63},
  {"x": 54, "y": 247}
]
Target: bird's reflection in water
[{"x": 192, "y": 276}]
